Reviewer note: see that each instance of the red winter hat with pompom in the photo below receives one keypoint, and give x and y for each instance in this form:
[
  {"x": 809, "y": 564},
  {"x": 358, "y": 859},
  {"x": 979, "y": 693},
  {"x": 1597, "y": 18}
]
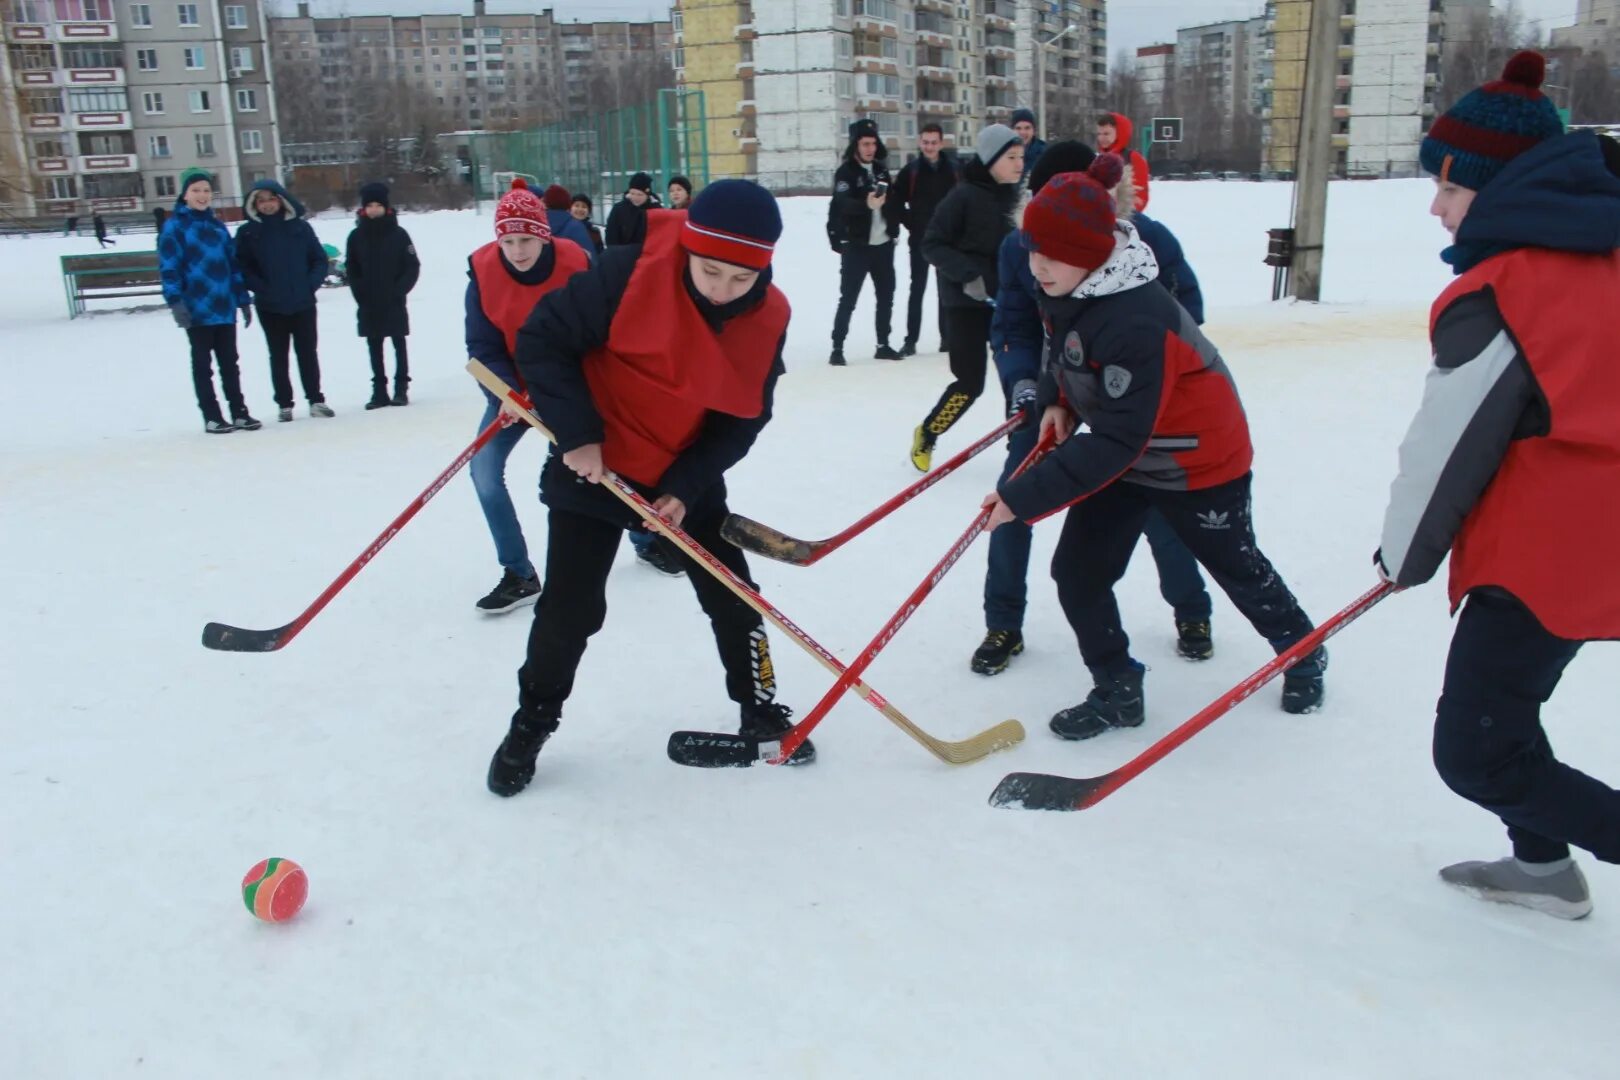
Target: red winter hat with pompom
[
  {"x": 557, "y": 198},
  {"x": 520, "y": 213},
  {"x": 1072, "y": 219}
]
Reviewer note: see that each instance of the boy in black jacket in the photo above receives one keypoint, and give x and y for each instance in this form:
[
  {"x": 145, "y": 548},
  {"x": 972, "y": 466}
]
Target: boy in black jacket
[
  {"x": 869, "y": 221},
  {"x": 382, "y": 266},
  {"x": 919, "y": 189}
]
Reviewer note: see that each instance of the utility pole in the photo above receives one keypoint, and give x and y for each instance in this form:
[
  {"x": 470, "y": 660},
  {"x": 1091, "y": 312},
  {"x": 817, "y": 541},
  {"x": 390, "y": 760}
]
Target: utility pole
[
  {"x": 1315, "y": 155},
  {"x": 1040, "y": 74}
]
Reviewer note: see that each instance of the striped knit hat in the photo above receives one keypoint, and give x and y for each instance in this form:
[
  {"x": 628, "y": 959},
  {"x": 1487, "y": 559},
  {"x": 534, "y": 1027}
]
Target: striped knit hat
[
  {"x": 521, "y": 213},
  {"x": 735, "y": 221},
  {"x": 1492, "y": 125}
]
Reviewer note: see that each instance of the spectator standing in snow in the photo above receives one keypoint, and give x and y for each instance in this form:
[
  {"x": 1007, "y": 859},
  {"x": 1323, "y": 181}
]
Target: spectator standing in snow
[
  {"x": 203, "y": 286},
  {"x": 1023, "y": 122},
  {"x": 1114, "y": 135},
  {"x": 1510, "y": 466},
  {"x": 865, "y": 222},
  {"x": 382, "y": 266},
  {"x": 627, "y": 221},
  {"x": 580, "y": 209},
  {"x": 680, "y": 192},
  {"x": 563, "y": 223},
  {"x": 659, "y": 363},
  {"x": 284, "y": 266},
  {"x": 920, "y": 187},
  {"x": 100, "y": 224}
]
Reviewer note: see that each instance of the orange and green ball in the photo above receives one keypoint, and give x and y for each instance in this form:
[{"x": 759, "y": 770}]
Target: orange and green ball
[{"x": 274, "y": 890}]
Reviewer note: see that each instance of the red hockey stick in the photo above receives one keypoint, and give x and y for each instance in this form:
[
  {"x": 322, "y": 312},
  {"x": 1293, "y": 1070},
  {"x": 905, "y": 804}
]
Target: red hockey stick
[
  {"x": 235, "y": 639},
  {"x": 751, "y": 535},
  {"x": 1041, "y": 791}
]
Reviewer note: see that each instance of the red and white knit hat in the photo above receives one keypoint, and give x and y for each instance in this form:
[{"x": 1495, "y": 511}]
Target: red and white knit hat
[{"x": 520, "y": 212}]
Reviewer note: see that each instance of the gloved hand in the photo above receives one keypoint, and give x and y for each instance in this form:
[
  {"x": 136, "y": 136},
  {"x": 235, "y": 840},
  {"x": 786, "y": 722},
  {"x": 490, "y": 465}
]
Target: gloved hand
[
  {"x": 1023, "y": 400},
  {"x": 974, "y": 290},
  {"x": 1378, "y": 563},
  {"x": 247, "y": 315},
  {"x": 182, "y": 317}
]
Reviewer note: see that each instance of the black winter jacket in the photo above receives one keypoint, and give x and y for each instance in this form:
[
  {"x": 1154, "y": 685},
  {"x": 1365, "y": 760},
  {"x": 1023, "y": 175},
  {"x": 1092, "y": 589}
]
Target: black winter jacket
[
  {"x": 569, "y": 323},
  {"x": 918, "y": 191},
  {"x": 851, "y": 185},
  {"x": 964, "y": 239},
  {"x": 282, "y": 260},
  {"x": 627, "y": 223},
  {"x": 382, "y": 266}
]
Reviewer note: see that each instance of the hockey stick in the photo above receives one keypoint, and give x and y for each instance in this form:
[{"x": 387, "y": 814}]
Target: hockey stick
[
  {"x": 1005, "y": 734},
  {"x": 1041, "y": 791},
  {"x": 235, "y": 639},
  {"x": 708, "y": 750},
  {"x": 761, "y": 539}
]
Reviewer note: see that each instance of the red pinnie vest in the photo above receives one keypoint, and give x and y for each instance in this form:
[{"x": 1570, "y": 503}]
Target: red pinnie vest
[
  {"x": 664, "y": 369},
  {"x": 1546, "y": 527},
  {"x": 506, "y": 302}
]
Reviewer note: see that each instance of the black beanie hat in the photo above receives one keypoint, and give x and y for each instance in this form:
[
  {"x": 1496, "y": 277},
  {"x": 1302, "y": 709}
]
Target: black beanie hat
[
  {"x": 640, "y": 182},
  {"x": 1070, "y": 155},
  {"x": 374, "y": 192}
]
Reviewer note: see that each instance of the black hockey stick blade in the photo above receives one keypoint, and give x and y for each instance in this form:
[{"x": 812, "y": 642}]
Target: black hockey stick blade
[
  {"x": 235, "y": 639},
  {"x": 761, "y": 539},
  {"x": 1040, "y": 791},
  {"x": 713, "y": 750}
]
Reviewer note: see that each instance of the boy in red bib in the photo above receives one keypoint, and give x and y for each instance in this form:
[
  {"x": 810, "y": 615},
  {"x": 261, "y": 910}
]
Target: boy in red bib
[{"x": 658, "y": 364}]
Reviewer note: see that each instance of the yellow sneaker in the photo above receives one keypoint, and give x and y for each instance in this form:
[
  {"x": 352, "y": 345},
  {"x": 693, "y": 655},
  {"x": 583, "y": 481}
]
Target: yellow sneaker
[{"x": 922, "y": 450}]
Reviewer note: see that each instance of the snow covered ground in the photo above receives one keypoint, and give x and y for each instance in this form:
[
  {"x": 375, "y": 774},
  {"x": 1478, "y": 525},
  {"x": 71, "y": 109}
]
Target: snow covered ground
[{"x": 1261, "y": 904}]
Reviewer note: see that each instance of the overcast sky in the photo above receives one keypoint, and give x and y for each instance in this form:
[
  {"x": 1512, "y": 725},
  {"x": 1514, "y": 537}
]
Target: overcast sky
[{"x": 1131, "y": 23}]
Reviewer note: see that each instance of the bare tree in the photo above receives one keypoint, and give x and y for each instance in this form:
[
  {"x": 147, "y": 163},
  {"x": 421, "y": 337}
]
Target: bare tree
[
  {"x": 1126, "y": 93},
  {"x": 1476, "y": 51},
  {"x": 1594, "y": 95}
]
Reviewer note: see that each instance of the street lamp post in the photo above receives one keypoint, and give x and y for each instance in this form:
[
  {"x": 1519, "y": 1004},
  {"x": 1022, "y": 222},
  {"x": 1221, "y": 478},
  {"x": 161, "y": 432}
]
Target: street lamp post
[{"x": 1040, "y": 74}]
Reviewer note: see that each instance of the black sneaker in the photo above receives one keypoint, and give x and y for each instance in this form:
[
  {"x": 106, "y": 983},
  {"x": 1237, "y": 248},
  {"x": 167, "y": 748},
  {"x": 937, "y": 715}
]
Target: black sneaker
[
  {"x": 996, "y": 651},
  {"x": 770, "y": 721},
  {"x": 1114, "y": 702},
  {"x": 885, "y": 353},
  {"x": 400, "y": 397},
  {"x": 513, "y": 592},
  {"x": 245, "y": 422},
  {"x": 1302, "y": 684},
  {"x": 512, "y": 767},
  {"x": 662, "y": 556},
  {"x": 1193, "y": 641},
  {"x": 218, "y": 427},
  {"x": 379, "y": 399},
  {"x": 908, "y": 348},
  {"x": 837, "y": 358}
]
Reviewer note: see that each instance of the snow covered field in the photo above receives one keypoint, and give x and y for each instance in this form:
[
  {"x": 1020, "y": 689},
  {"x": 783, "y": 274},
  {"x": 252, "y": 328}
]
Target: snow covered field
[{"x": 1262, "y": 904}]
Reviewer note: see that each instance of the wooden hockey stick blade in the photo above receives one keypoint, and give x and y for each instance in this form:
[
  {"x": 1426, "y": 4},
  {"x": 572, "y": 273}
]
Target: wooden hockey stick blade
[
  {"x": 760, "y": 539},
  {"x": 235, "y": 639},
  {"x": 1041, "y": 791}
]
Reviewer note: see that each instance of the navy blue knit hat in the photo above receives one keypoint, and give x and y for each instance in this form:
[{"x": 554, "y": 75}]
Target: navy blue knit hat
[
  {"x": 1492, "y": 125},
  {"x": 374, "y": 192},
  {"x": 735, "y": 221},
  {"x": 1022, "y": 114}
]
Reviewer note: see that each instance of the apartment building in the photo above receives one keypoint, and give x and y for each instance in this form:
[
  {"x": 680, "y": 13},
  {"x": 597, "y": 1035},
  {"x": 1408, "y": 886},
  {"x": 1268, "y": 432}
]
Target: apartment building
[
  {"x": 1156, "y": 71},
  {"x": 108, "y": 102},
  {"x": 1596, "y": 29},
  {"x": 783, "y": 80},
  {"x": 1215, "y": 71},
  {"x": 1390, "y": 56},
  {"x": 467, "y": 72}
]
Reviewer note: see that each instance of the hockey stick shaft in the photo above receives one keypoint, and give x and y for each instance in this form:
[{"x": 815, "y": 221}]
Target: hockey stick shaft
[
  {"x": 952, "y": 753},
  {"x": 801, "y": 731},
  {"x": 234, "y": 639},
  {"x": 1023, "y": 789},
  {"x": 761, "y": 539}
]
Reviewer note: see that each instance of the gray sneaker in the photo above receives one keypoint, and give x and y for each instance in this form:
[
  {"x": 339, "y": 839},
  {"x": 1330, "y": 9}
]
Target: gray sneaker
[
  {"x": 321, "y": 408},
  {"x": 1557, "y": 889}
]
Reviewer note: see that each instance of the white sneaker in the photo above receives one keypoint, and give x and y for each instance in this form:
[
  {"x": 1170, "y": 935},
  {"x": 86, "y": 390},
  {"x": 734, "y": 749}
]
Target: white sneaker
[
  {"x": 284, "y": 415},
  {"x": 321, "y": 408}
]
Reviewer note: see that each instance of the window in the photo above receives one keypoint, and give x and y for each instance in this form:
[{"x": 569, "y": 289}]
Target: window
[
  {"x": 152, "y": 103},
  {"x": 205, "y": 144},
  {"x": 236, "y": 17},
  {"x": 188, "y": 15},
  {"x": 196, "y": 59},
  {"x": 241, "y": 58},
  {"x": 843, "y": 46},
  {"x": 140, "y": 16},
  {"x": 252, "y": 142},
  {"x": 158, "y": 145},
  {"x": 92, "y": 56},
  {"x": 28, "y": 11},
  {"x": 101, "y": 99},
  {"x": 84, "y": 10},
  {"x": 50, "y": 148},
  {"x": 61, "y": 187},
  {"x": 199, "y": 101},
  {"x": 163, "y": 187},
  {"x": 247, "y": 101}
]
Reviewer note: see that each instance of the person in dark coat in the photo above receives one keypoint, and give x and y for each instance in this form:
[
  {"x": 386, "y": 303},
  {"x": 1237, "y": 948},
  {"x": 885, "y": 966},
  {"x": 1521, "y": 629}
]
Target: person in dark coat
[
  {"x": 203, "y": 286},
  {"x": 963, "y": 241},
  {"x": 160, "y": 214},
  {"x": 919, "y": 189},
  {"x": 680, "y": 193},
  {"x": 100, "y": 224},
  {"x": 382, "y": 266},
  {"x": 658, "y": 363},
  {"x": 627, "y": 221},
  {"x": 580, "y": 210},
  {"x": 1023, "y": 122},
  {"x": 284, "y": 266},
  {"x": 1017, "y": 339},
  {"x": 563, "y": 223},
  {"x": 867, "y": 221}
]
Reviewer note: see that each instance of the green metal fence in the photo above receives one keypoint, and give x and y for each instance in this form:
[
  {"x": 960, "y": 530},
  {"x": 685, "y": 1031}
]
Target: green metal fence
[{"x": 597, "y": 155}]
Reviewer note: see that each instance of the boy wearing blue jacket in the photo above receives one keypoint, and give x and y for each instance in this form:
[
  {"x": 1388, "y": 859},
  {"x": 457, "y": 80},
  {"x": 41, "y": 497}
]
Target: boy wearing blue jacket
[
  {"x": 203, "y": 286},
  {"x": 1017, "y": 339}
]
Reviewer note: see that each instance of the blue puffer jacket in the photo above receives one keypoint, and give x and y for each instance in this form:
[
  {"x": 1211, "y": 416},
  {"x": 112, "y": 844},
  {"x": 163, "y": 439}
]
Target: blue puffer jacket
[
  {"x": 282, "y": 260},
  {"x": 197, "y": 261},
  {"x": 569, "y": 227},
  {"x": 1017, "y": 334}
]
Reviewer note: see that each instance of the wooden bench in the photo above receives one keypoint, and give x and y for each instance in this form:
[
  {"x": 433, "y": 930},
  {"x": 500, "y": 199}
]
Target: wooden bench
[{"x": 109, "y": 276}]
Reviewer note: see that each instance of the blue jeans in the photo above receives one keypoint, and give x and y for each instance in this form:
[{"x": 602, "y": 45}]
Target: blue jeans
[
  {"x": 488, "y": 470},
  {"x": 1005, "y": 582}
]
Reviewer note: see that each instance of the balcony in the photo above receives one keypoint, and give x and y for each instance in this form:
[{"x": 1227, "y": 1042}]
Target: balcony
[
  {"x": 107, "y": 163},
  {"x": 747, "y": 107},
  {"x": 1341, "y": 82},
  {"x": 745, "y": 68},
  {"x": 86, "y": 31},
  {"x": 936, "y": 106},
  {"x": 1341, "y": 142},
  {"x": 929, "y": 35},
  {"x": 101, "y": 121},
  {"x": 997, "y": 112},
  {"x": 46, "y": 122},
  {"x": 746, "y": 31},
  {"x": 51, "y": 166},
  {"x": 28, "y": 32},
  {"x": 876, "y": 103},
  {"x": 93, "y": 77},
  {"x": 1341, "y": 112},
  {"x": 999, "y": 15},
  {"x": 1347, "y": 22},
  {"x": 877, "y": 65},
  {"x": 997, "y": 80},
  {"x": 943, "y": 74},
  {"x": 28, "y": 79},
  {"x": 944, "y": 7}
]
